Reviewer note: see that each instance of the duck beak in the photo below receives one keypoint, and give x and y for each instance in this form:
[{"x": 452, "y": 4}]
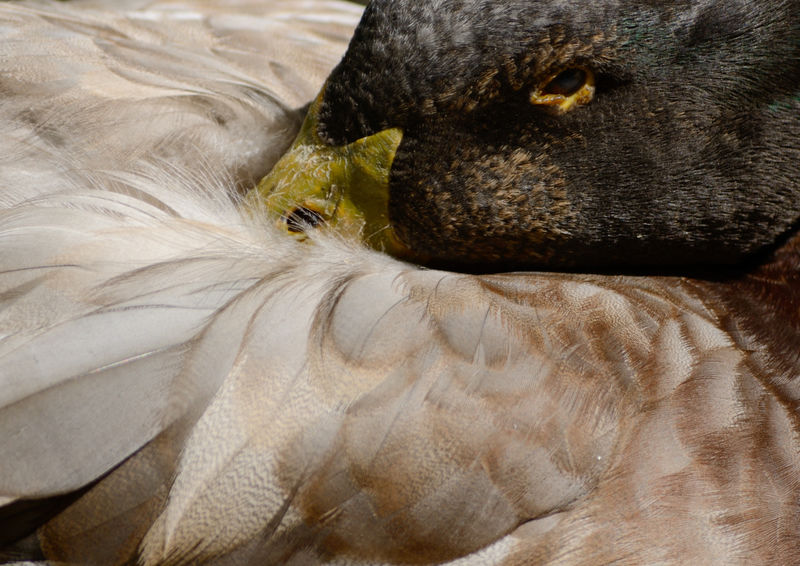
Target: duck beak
[{"x": 343, "y": 189}]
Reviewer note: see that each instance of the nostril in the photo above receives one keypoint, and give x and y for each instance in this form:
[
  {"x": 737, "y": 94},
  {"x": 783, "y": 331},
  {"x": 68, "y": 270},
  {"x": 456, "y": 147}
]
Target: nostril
[{"x": 302, "y": 218}]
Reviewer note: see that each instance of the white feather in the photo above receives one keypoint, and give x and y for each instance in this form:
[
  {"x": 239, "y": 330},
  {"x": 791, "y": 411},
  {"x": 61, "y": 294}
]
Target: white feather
[{"x": 125, "y": 137}]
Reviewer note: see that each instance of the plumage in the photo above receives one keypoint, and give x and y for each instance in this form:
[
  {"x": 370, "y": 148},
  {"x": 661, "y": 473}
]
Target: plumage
[
  {"x": 184, "y": 384},
  {"x": 682, "y": 152}
]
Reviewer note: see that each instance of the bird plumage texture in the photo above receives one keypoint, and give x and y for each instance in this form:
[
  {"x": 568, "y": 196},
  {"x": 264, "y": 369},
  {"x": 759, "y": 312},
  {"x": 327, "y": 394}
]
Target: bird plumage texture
[
  {"x": 686, "y": 154},
  {"x": 182, "y": 384}
]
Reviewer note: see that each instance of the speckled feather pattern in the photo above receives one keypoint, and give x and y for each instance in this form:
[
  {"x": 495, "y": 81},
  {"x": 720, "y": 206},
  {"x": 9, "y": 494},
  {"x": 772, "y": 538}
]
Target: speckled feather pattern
[
  {"x": 260, "y": 401},
  {"x": 687, "y": 154}
]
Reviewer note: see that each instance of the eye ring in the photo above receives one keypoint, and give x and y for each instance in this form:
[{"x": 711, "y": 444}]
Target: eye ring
[{"x": 572, "y": 86}]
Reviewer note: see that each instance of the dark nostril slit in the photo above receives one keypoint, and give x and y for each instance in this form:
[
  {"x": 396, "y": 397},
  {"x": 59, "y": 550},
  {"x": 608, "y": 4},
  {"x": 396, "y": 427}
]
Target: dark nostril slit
[{"x": 302, "y": 218}]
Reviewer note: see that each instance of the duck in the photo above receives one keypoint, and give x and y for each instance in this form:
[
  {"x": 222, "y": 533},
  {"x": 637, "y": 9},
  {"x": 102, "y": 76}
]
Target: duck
[
  {"x": 597, "y": 141},
  {"x": 523, "y": 290}
]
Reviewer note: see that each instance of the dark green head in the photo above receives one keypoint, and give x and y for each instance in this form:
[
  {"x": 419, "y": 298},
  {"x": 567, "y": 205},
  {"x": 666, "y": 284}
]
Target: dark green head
[{"x": 578, "y": 134}]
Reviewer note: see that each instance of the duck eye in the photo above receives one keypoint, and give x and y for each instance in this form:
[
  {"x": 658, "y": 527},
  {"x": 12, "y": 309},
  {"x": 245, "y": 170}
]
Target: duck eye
[
  {"x": 571, "y": 87},
  {"x": 302, "y": 218},
  {"x": 566, "y": 83}
]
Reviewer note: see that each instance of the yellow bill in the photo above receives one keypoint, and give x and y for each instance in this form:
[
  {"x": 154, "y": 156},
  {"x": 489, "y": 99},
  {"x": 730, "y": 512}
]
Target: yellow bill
[{"x": 344, "y": 189}]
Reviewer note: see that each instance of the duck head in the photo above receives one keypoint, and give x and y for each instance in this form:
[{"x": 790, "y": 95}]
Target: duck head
[{"x": 557, "y": 135}]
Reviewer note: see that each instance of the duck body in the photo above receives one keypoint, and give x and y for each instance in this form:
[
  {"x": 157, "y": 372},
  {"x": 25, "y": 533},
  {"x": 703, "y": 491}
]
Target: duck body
[
  {"x": 183, "y": 384},
  {"x": 520, "y": 419}
]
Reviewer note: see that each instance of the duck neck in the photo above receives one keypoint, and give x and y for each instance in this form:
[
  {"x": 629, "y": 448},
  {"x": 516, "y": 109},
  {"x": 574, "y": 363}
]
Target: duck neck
[{"x": 764, "y": 307}]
